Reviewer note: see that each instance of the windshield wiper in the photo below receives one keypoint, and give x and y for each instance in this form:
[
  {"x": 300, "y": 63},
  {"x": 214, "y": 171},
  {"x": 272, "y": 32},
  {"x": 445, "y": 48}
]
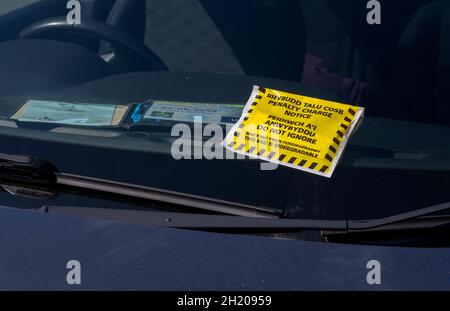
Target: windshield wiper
[
  {"x": 408, "y": 220},
  {"x": 26, "y": 169},
  {"x": 34, "y": 171},
  {"x": 420, "y": 219},
  {"x": 38, "y": 172},
  {"x": 409, "y": 227}
]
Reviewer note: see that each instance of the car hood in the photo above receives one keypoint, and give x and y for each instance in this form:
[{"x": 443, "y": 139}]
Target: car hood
[{"x": 35, "y": 248}]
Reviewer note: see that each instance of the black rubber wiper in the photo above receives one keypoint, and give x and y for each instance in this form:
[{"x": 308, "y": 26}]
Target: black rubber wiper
[
  {"x": 408, "y": 220},
  {"x": 419, "y": 219},
  {"x": 415, "y": 225},
  {"x": 26, "y": 169},
  {"x": 38, "y": 172}
]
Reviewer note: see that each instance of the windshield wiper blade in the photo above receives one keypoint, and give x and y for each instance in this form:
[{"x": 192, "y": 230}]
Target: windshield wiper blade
[
  {"x": 226, "y": 222},
  {"x": 34, "y": 171},
  {"x": 165, "y": 196},
  {"x": 373, "y": 224},
  {"x": 420, "y": 219},
  {"x": 192, "y": 221},
  {"x": 26, "y": 169}
]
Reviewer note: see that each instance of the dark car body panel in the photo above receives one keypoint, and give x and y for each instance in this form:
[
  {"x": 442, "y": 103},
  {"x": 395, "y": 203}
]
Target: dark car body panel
[{"x": 35, "y": 248}]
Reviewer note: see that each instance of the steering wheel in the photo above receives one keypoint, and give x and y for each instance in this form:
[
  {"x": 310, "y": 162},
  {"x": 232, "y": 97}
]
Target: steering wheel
[{"x": 127, "y": 50}]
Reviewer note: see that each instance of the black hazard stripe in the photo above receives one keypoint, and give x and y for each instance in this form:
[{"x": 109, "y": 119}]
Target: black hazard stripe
[
  {"x": 261, "y": 152},
  {"x": 313, "y": 166},
  {"x": 329, "y": 158},
  {"x": 292, "y": 160},
  {"x": 262, "y": 90},
  {"x": 351, "y": 111},
  {"x": 302, "y": 163},
  {"x": 332, "y": 149},
  {"x": 340, "y": 134},
  {"x": 324, "y": 169},
  {"x": 258, "y": 97},
  {"x": 336, "y": 141},
  {"x": 250, "y": 111},
  {"x": 345, "y": 127},
  {"x": 347, "y": 119},
  {"x": 246, "y": 119},
  {"x": 237, "y": 134},
  {"x": 254, "y": 104},
  {"x": 281, "y": 158}
]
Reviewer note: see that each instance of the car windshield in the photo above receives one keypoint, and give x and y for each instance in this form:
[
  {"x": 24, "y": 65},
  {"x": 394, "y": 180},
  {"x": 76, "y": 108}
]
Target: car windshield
[{"x": 107, "y": 88}]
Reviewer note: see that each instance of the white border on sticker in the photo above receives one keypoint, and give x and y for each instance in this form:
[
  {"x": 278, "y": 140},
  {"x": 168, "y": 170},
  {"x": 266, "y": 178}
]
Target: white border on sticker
[{"x": 336, "y": 158}]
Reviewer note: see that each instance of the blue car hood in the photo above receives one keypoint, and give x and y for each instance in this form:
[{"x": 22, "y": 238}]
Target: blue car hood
[{"x": 35, "y": 248}]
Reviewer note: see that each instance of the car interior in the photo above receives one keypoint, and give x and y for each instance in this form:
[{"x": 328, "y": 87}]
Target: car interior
[
  {"x": 397, "y": 59},
  {"x": 403, "y": 63}
]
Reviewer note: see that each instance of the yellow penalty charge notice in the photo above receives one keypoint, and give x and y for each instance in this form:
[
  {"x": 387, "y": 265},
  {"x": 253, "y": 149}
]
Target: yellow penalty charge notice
[{"x": 301, "y": 132}]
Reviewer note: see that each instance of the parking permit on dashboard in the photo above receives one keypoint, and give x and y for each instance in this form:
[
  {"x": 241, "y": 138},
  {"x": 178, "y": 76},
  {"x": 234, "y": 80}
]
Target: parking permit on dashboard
[
  {"x": 297, "y": 131},
  {"x": 187, "y": 112},
  {"x": 87, "y": 114}
]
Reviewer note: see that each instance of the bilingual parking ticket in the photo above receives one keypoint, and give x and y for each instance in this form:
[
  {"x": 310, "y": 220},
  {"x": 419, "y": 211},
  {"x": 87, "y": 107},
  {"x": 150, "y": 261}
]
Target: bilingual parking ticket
[{"x": 298, "y": 131}]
